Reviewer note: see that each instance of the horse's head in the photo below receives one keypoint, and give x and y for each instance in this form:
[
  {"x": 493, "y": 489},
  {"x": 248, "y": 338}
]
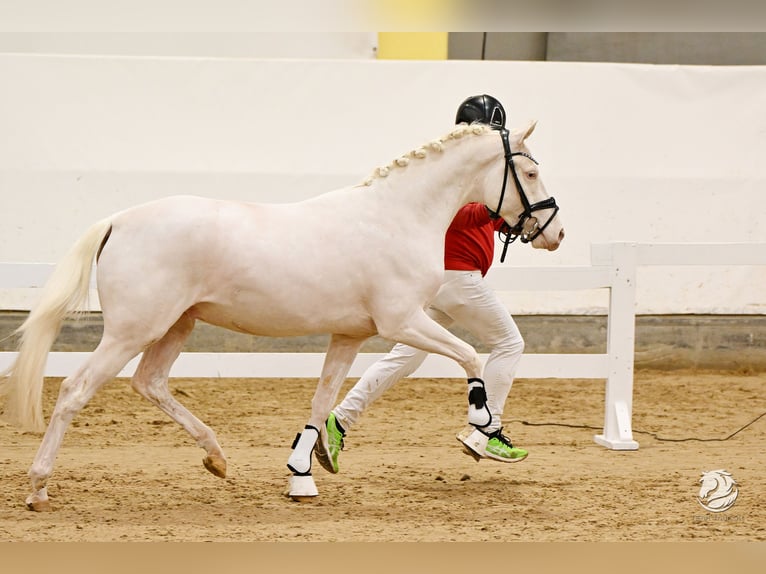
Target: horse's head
[{"x": 521, "y": 198}]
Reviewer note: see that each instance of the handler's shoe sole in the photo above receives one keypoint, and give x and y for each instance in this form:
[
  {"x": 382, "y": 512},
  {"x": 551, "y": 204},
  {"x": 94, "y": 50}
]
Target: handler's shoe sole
[
  {"x": 494, "y": 446},
  {"x": 330, "y": 443}
]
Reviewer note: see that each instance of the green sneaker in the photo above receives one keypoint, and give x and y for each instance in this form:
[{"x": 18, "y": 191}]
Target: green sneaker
[
  {"x": 495, "y": 446},
  {"x": 499, "y": 447},
  {"x": 327, "y": 455}
]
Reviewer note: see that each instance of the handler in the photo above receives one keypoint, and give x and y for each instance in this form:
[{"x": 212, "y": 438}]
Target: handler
[{"x": 464, "y": 298}]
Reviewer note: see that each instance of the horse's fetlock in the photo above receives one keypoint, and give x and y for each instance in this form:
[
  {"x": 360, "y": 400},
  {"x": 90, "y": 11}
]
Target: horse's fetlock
[{"x": 39, "y": 476}]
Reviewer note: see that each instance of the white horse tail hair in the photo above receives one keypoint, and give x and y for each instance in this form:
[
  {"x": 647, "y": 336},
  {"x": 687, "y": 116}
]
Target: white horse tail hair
[{"x": 65, "y": 291}]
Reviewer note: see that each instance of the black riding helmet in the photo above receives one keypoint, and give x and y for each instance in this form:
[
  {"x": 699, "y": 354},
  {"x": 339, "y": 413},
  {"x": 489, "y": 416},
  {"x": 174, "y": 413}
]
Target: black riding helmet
[{"x": 481, "y": 109}]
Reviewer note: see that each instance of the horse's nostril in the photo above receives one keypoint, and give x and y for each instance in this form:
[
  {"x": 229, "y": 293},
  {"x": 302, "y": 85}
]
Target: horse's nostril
[{"x": 561, "y": 235}]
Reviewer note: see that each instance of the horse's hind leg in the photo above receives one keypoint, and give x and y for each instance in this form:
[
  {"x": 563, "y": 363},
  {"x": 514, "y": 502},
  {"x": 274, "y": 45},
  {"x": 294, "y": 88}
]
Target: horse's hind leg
[
  {"x": 75, "y": 392},
  {"x": 151, "y": 382}
]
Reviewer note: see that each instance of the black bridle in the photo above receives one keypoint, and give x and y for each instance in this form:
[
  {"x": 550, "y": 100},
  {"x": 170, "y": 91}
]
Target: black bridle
[{"x": 527, "y": 227}]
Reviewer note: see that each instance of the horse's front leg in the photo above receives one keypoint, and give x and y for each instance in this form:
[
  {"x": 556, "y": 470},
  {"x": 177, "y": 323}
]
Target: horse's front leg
[
  {"x": 422, "y": 332},
  {"x": 340, "y": 355}
]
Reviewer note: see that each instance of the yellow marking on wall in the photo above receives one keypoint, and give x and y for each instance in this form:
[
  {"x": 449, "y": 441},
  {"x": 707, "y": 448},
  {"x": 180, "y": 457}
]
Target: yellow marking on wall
[{"x": 412, "y": 45}]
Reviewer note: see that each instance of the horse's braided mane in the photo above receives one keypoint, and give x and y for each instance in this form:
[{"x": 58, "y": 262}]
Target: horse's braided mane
[{"x": 421, "y": 152}]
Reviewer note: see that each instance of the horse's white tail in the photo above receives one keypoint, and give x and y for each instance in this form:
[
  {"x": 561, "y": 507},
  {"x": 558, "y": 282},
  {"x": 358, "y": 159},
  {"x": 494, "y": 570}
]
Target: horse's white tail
[{"x": 65, "y": 291}]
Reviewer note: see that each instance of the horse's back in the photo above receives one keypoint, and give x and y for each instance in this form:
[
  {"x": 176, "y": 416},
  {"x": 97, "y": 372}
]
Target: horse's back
[{"x": 244, "y": 266}]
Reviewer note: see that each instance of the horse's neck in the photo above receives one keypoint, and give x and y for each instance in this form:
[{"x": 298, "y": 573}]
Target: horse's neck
[{"x": 436, "y": 187}]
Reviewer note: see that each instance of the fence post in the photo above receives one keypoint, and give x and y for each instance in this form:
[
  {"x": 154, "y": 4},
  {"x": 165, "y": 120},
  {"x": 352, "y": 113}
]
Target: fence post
[{"x": 621, "y": 329}]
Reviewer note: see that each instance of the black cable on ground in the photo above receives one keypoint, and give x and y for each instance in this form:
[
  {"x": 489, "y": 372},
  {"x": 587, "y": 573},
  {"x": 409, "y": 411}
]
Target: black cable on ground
[{"x": 653, "y": 435}]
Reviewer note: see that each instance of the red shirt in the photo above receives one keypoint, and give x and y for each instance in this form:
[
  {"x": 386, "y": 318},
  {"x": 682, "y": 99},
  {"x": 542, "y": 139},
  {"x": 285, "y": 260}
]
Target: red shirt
[{"x": 470, "y": 240}]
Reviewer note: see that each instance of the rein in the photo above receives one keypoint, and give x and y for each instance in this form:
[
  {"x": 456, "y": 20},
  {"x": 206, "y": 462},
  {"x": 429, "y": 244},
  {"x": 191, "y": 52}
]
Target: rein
[{"x": 527, "y": 227}]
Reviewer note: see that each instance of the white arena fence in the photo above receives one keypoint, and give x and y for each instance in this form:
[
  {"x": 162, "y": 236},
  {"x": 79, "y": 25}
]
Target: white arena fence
[{"x": 613, "y": 267}]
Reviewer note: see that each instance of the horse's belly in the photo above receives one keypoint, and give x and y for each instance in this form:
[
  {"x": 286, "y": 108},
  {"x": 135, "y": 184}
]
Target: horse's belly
[{"x": 274, "y": 321}]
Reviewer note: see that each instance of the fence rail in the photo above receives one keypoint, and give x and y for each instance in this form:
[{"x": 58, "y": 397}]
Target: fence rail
[{"x": 613, "y": 267}]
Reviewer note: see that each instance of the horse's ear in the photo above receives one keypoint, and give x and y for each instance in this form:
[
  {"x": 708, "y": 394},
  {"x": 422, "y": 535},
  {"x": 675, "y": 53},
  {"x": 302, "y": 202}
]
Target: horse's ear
[
  {"x": 525, "y": 133},
  {"x": 521, "y": 134}
]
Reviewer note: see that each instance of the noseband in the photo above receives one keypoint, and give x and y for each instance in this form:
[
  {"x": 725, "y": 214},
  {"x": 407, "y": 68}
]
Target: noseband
[{"x": 527, "y": 227}]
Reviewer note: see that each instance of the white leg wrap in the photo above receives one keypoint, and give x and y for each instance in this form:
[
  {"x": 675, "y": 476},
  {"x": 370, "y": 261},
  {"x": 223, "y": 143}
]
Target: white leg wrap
[
  {"x": 478, "y": 410},
  {"x": 300, "y": 459}
]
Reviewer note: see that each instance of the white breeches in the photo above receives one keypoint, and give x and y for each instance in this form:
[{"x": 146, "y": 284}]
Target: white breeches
[{"x": 466, "y": 300}]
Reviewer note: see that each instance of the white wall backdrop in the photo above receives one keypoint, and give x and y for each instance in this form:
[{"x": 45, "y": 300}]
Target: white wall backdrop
[
  {"x": 631, "y": 152},
  {"x": 283, "y": 44}
]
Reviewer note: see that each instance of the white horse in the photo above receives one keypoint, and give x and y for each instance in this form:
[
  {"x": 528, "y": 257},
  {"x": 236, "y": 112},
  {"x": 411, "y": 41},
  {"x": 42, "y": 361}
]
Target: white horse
[{"x": 352, "y": 263}]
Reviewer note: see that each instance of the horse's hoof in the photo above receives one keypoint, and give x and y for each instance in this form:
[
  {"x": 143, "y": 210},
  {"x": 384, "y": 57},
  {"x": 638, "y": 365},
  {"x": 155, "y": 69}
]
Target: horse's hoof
[
  {"x": 302, "y": 498},
  {"x": 302, "y": 488},
  {"x": 472, "y": 454},
  {"x": 38, "y": 505},
  {"x": 299, "y": 497},
  {"x": 216, "y": 465}
]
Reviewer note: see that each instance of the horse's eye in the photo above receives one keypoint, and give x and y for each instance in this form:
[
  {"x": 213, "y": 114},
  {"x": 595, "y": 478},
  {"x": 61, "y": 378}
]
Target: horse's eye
[{"x": 532, "y": 174}]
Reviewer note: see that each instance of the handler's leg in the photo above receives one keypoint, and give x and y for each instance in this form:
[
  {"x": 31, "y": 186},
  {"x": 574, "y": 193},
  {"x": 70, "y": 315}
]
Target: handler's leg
[
  {"x": 476, "y": 307},
  {"x": 423, "y": 330},
  {"x": 399, "y": 363},
  {"x": 376, "y": 380}
]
